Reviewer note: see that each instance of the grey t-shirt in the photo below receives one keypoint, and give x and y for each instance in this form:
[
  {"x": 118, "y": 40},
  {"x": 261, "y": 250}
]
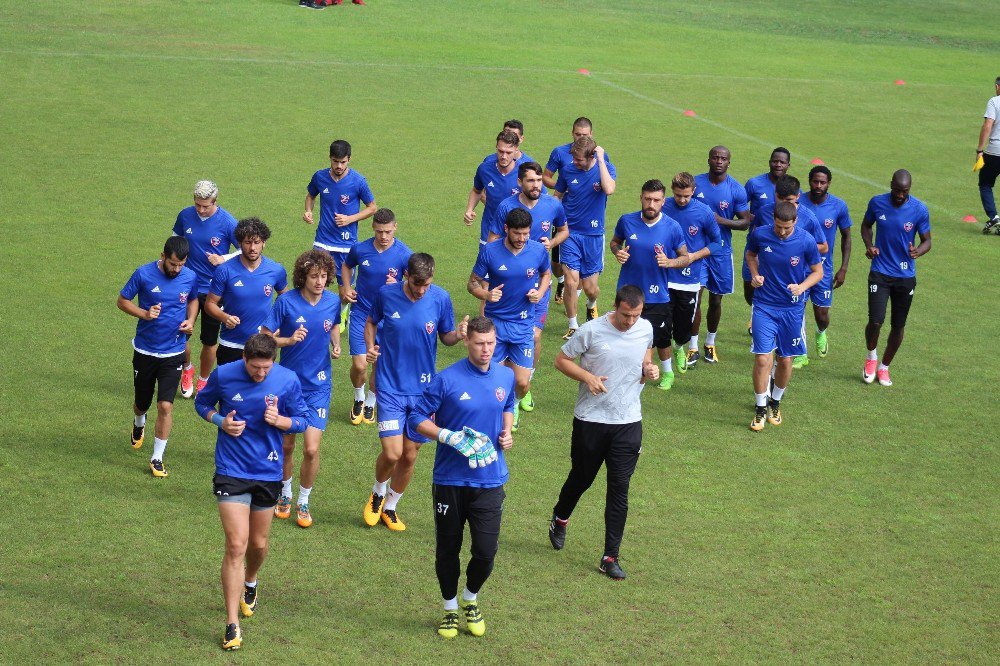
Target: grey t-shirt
[
  {"x": 605, "y": 351},
  {"x": 993, "y": 113}
]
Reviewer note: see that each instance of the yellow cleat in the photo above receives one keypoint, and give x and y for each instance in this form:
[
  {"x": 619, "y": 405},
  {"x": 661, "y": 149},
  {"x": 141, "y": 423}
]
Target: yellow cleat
[
  {"x": 368, "y": 413},
  {"x": 711, "y": 354},
  {"x": 592, "y": 313},
  {"x": 156, "y": 467},
  {"x": 283, "y": 509},
  {"x": 569, "y": 333},
  {"x": 373, "y": 509},
  {"x": 138, "y": 434},
  {"x": 357, "y": 411},
  {"x": 248, "y": 602},
  {"x": 302, "y": 515},
  {"x": 233, "y": 638},
  {"x": 774, "y": 413},
  {"x": 474, "y": 621},
  {"x": 759, "y": 419},
  {"x": 392, "y": 521},
  {"x": 449, "y": 625}
]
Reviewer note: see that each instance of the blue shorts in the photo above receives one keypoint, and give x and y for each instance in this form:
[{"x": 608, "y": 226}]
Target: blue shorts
[
  {"x": 583, "y": 254},
  {"x": 778, "y": 328},
  {"x": 821, "y": 293},
  {"x": 338, "y": 261},
  {"x": 356, "y": 331},
  {"x": 393, "y": 412},
  {"x": 318, "y": 403},
  {"x": 520, "y": 352},
  {"x": 542, "y": 308},
  {"x": 719, "y": 273}
]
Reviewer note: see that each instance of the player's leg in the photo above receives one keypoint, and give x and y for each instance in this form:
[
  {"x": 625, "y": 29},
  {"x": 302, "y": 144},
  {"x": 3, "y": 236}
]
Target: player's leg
[
  {"x": 901, "y": 296},
  {"x": 790, "y": 345},
  {"x": 359, "y": 365},
  {"x": 682, "y": 308},
  {"x": 234, "y": 513},
  {"x": 518, "y": 356},
  {"x": 987, "y": 180},
  {"x": 587, "y": 452},
  {"x": 209, "y": 338},
  {"x": 262, "y": 504},
  {"x": 625, "y": 442},
  {"x": 283, "y": 508},
  {"x": 591, "y": 267},
  {"x": 168, "y": 379},
  {"x": 659, "y": 317},
  {"x": 765, "y": 332},
  {"x": 712, "y": 327},
  {"x": 557, "y": 275},
  {"x": 449, "y": 528},
  {"x": 391, "y": 425},
  {"x": 571, "y": 254},
  {"x": 878, "y": 299},
  {"x": 527, "y": 403},
  {"x": 485, "y": 513},
  {"x": 696, "y": 328},
  {"x": 345, "y": 310},
  {"x": 144, "y": 385},
  {"x": 311, "y": 439},
  {"x": 821, "y": 314}
]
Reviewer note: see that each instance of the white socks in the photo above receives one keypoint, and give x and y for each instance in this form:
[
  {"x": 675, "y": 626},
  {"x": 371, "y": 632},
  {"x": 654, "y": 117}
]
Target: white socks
[
  {"x": 667, "y": 365},
  {"x": 304, "y": 494},
  {"x": 883, "y": 366},
  {"x": 777, "y": 393},
  {"x": 468, "y": 596},
  {"x": 359, "y": 393},
  {"x": 710, "y": 338},
  {"x": 286, "y": 487},
  {"x": 591, "y": 302},
  {"x": 573, "y": 323},
  {"x": 380, "y": 487},
  {"x": 761, "y": 399},
  {"x": 451, "y": 604},
  {"x": 391, "y": 500},
  {"x": 139, "y": 421},
  {"x": 159, "y": 446},
  {"x": 370, "y": 399},
  {"x": 693, "y": 344},
  {"x": 872, "y": 355}
]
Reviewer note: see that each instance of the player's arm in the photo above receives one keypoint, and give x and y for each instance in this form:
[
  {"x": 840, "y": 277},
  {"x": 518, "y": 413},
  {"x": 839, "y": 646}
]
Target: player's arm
[
  {"x": 574, "y": 371},
  {"x": 544, "y": 282},
  {"x": 549, "y": 178},
  {"x": 130, "y": 308},
  {"x": 470, "y": 205},
  {"x": 346, "y": 291},
  {"x": 562, "y": 233},
  {"x": 296, "y": 337},
  {"x": 607, "y": 180},
  {"x": 984, "y": 135},
  {"x": 205, "y": 404},
  {"x": 213, "y": 310},
  {"x": 190, "y": 314},
  {"x": 650, "y": 370},
  {"x": 845, "y": 257},
  {"x": 480, "y": 288},
  {"x": 335, "y": 341},
  {"x": 866, "y": 235},
  {"x": 296, "y": 416},
  {"x": 740, "y": 222},
  {"x": 756, "y": 279},
  {"x": 365, "y": 212},
  {"x": 307, "y": 216},
  {"x": 815, "y": 275},
  {"x": 492, "y": 236},
  {"x": 452, "y": 337},
  {"x": 682, "y": 260},
  {"x": 619, "y": 249},
  {"x": 924, "y": 247}
]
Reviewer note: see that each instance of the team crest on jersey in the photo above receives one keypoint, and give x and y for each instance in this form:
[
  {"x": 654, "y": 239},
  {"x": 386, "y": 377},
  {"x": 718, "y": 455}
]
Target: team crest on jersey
[
  {"x": 514, "y": 191},
  {"x": 546, "y": 225},
  {"x": 327, "y": 325},
  {"x": 795, "y": 261},
  {"x": 723, "y": 205},
  {"x": 658, "y": 248},
  {"x": 215, "y": 241},
  {"x": 429, "y": 327},
  {"x": 267, "y": 290},
  {"x": 828, "y": 223},
  {"x": 908, "y": 226},
  {"x": 184, "y": 297},
  {"x": 271, "y": 400},
  {"x": 692, "y": 230},
  {"x": 531, "y": 272},
  {"x": 393, "y": 272},
  {"x": 501, "y": 394},
  {"x": 345, "y": 199},
  {"x": 597, "y": 187}
]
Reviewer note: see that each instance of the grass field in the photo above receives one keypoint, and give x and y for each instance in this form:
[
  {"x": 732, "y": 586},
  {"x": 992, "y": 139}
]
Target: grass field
[{"x": 864, "y": 529}]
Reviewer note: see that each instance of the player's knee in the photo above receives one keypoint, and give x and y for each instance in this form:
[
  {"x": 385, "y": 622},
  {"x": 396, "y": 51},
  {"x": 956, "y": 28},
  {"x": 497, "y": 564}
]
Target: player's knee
[
  {"x": 485, "y": 551},
  {"x": 359, "y": 365},
  {"x": 236, "y": 547},
  {"x": 391, "y": 454},
  {"x": 522, "y": 384},
  {"x": 164, "y": 408},
  {"x": 310, "y": 451}
]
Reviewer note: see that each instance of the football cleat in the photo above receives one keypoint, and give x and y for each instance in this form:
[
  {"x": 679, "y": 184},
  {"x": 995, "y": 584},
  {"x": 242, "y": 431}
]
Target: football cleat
[
  {"x": 666, "y": 381},
  {"x": 368, "y": 414},
  {"x": 392, "y": 521},
  {"x": 557, "y": 532},
  {"x": 138, "y": 434},
  {"x": 868, "y": 374},
  {"x": 517, "y": 416},
  {"x": 800, "y": 361},
  {"x": 200, "y": 384},
  {"x": 233, "y": 638},
  {"x": 449, "y": 625},
  {"x": 592, "y": 313},
  {"x": 303, "y": 3},
  {"x": 357, "y": 412},
  {"x": 759, "y": 419},
  {"x": 248, "y": 602},
  {"x": 822, "y": 344},
  {"x": 883, "y": 377},
  {"x": 992, "y": 225},
  {"x": 156, "y": 467},
  {"x": 527, "y": 402},
  {"x": 774, "y": 412},
  {"x": 680, "y": 360},
  {"x": 373, "y": 509},
  {"x": 474, "y": 621},
  {"x": 569, "y": 333},
  {"x": 559, "y": 292},
  {"x": 283, "y": 509},
  {"x": 692, "y": 358},
  {"x": 711, "y": 354},
  {"x": 187, "y": 383},
  {"x": 302, "y": 516},
  {"x": 612, "y": 568}
]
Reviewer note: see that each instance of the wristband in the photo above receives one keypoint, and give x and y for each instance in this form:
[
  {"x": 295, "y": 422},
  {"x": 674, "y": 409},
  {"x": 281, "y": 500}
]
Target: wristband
[
  {"x": 979, "y": 151},
  {"x": 217, "y": 419}
]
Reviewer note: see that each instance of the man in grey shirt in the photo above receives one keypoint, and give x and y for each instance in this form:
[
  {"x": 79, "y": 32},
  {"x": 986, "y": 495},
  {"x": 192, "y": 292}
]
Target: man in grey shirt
[
  {"x": 615, "y": 360},
  {"x": 989, "y": 149}
]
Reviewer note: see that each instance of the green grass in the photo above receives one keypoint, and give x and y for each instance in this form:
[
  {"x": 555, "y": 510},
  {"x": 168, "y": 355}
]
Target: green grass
[{"x": 864, "y": 529}]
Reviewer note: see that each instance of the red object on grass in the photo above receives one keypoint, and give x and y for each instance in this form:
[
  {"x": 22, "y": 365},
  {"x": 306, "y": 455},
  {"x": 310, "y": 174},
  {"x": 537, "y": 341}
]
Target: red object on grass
[
  {"x": 969, "y": 218},
  {"x": 585, "y": 72},
  {"x": 817, "y": 161},
  {"x": 689, "y": 113},
  {"x": 900, "y": 82}
]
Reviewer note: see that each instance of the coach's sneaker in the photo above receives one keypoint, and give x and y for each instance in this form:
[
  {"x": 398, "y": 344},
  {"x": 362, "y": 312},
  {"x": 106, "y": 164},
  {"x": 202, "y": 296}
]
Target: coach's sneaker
[
  {"x": 759, "y": 419},
  {"x": 692, "y": 358},
  {"x": 569, "y": 333},
  {"x": 868, "y": 374},
  {"x": 992, "y": 225},
  {"x": 187, "y": 382},
  {"x": 517, "y": 416},
  {"x": 449, "y": 625},
  {"x": 474, "y": 621},
  {"x": 373, "y": 509},
  {"x": 666, "y": 381},
  {"x": 357, "y": 412},
  {"x": 559, "y": 291},
  {"x": 248, "y": 602},
  {"x": 822, "y": 344},
  {"x": 393, "y": 521},
  {"x": 302, "y": 516},
  {"x": 557, "y": 532},
  {"x": 200, "y": 384},
  {"x": 883, "y": 377},
  {"x": 156, "y": 467},
  {"x": 774, "y": 412},
  {"x": 680, "y": 360},
  {"x": 368, "y": 413},
  {"x": 610, "y": 566},
  {"x": 800, "y": 361},
  {"x": 283, "y": 509},
  {"x": 233, "y": 638},
  {"x": 138, "y": 434},
  {"x": 303, "y": 3},
  {"x": 527, "y": 402},
  {"x": 592, "y": 313}
]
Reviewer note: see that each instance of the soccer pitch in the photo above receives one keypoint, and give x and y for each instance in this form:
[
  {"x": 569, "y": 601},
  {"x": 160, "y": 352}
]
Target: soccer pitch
[{"x": 862, "y": 529}]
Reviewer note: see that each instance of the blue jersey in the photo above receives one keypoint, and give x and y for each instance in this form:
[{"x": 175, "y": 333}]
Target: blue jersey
[
  {"x": 513, "y": 314},
  {"x": 583, "y": 198},
  {"x": 309, "y": 359},
  {"x": 497, "y": 187},
  {"x": 725, "y": 199},
  {"x": 547, "y": 213},
  {"x": 561, "y": 157},
  {"x": 373, "y": 267},
  {"x": 760, "y": 192},
  {"x": 644, "y": 243},
  {"x": 343, "y": 196},
  {"x": 699, "y": 230},
  {"x": 782, "y": 262},
  {"x": 832, "y": 215},
  {"x": 895, "y": 229},
  {"x": 161, "y": 336},
  {"x": 246, "y": 294},
  {"x": 409, "y": 336},
  {"x": 463, "y": 395},
  {"x": 214, "y": 235},
  {"x": 804, "y": 219},
  {"x": 256, "y": 453}
]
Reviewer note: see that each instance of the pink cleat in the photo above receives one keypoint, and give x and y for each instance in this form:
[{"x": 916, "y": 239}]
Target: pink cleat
[
  {"x": 883, "y": 377},
  {"x": 201, "y": 384},
  {"x": 869, "y": 373},
  {"x": 187, "y": 382}
]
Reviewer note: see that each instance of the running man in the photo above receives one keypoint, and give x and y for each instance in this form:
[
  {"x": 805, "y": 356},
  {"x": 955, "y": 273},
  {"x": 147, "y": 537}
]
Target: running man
[
  {"x": 893, "y": 277},
  {"x": 210, "y": 233},
  {"x": 495, "y": 180},
  {"x": 512, "y": 276},
  {"x": 760, "y": 189},
  {"x": 468, "y": 408},
  {"x": 642, "y": 244},
  {"x": 166, "y": 311},
  {"x": 379, "y": 261},
  {"x": 584, "y": 187},
  {"x": 728, "y": 200},
  {"x": 408, "y": 318},
  {"x": 246, "y": 284},
  {"x": 831, "y": 212},
  {"x": 784, "y": 263},
  {"x": 252, "y": 403},
  {"x": 305, "y": 323},
  {"x": 988, "y": 152}
]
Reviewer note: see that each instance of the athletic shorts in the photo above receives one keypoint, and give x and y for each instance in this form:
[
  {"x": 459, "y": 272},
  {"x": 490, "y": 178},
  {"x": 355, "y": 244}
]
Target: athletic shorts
[
  {"x": 542, "y": 307},
  {"x": 555, "y": 254},
  {"x": 778, "y": 328},
  {"x": 338, "y": 261},
  {"x": 884, "y": 288},
  {"x": 520, "y": 352},
  {"x": 163, "y": 374},
  {"x": 226, "y": 354},
  {"x": 821, "y": 293},
  {"x": 481, "y": 508},
  {"x": 356, "y": 331},
  {"x": 584, "y": 254},
  {"x": 318, "y": 403},
  {"x": 258, "y": 495},
  {"x": 210, "y": 326},
  {"x": 719, "y": 273},
  {"x": 683, "y": 305},
  {"x": 394, "y": 410},
  {"x": 660, "y": 315}
]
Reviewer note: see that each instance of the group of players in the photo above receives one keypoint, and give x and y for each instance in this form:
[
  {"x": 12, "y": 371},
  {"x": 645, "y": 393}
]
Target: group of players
[{"x": 672, "y": 249}]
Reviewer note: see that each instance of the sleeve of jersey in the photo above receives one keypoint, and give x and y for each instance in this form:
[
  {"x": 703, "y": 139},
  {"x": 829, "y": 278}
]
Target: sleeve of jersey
[
  {"x": 352, "y": 256},
  {"x": 844, "y": 220},
  {"x": 611, "y": 167},
  {"x": 578, "y": 343},
  {"x": 711, "y": 229},
  {"x": 295, "y": 407},
  {"x": 131, "y": 287},
  {"x": 178, "y": 226},
  {"x": 560, "y": 183},
  {"x": 553, "y": 164},
  {"x": 812, "y": 254},
  {"x": 428, "y": 404},
  {"x": 991, "y": 109},
  {"x": 678, "y": 238},
  {"x": 208, "y": 397},
  {"x": 218, "y": 286},
  {"x": 233, "y": 240},
  {"x": 336, "y": 309},
  {"x": 365, "y": 192},
  {"x": 273, "y": 320},
  {"x": 817, "y": 231},
  {"x": 620, "y": 229},
  {"x": 870, "y": 212},
  {"x": 282, "y": 280},
  {"x": 376, "y": 312},
  {"x": 499, "y": 217},
  {"x": 477, "y": 180},
  {"x": 752, "y": 244},
  {"x": 446, "y": 321},
  {"x": 481, "y": 269},
  {"x": 741, "y": 200},
  {"x": 924, "y": 226},
  {"x": 560, "y": 216},
  {"x": 313, "y": 187}
]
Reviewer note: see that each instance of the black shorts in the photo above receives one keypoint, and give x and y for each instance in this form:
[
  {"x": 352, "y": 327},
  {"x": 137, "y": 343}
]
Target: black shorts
[
  {"x": 226, "y": 354},
  {"x": 210, "y": 326},
  {"x": 454, "y": 506},
  {"x": 555, "y": 254},
  {"x": 684, "y": 304},
  {"x": 258, "y": 495},
  {"x": 163, "y": 374},
  {"x": 884, "y": 288},
  {"x": 660, "y": 315}
]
